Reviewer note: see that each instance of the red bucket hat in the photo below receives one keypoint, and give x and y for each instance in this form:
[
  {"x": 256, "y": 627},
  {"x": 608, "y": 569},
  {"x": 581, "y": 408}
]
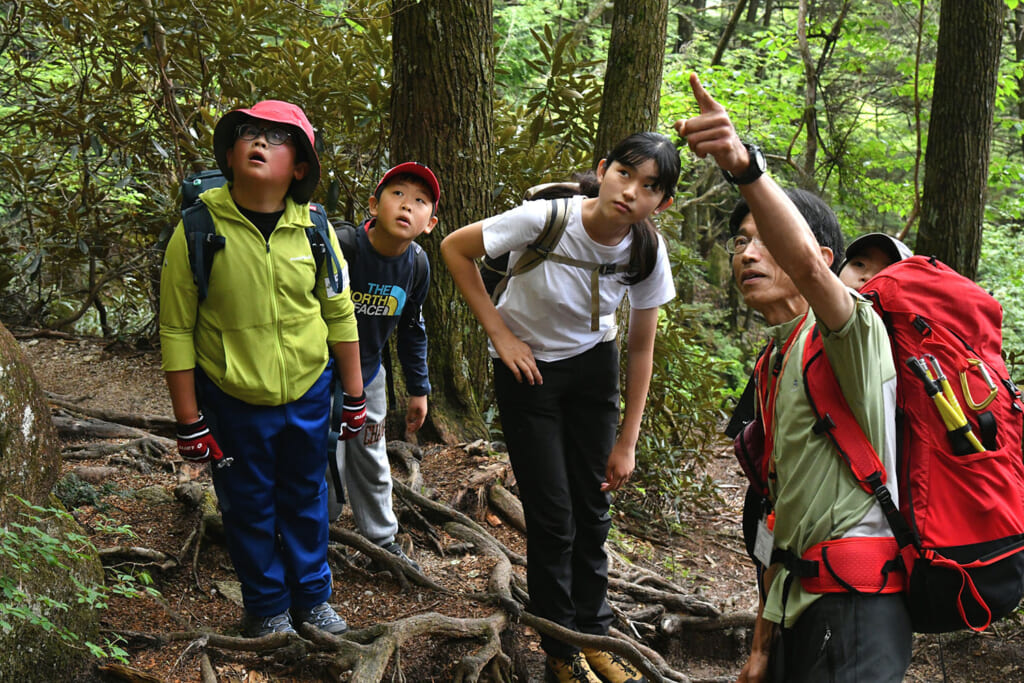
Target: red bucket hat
[{"x": 274, "y": 111}]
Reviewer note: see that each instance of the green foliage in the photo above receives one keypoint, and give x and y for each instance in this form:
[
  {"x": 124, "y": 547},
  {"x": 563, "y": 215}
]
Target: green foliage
[
  {"x": 523, "y": 57},
  {"x": 684, "y": 410},
  {"x": 110, "y": 104},
  {"x": 1001, "y": 271},
  {"x": 27, "y": 545},
  {"x": 548, "y": 138}
]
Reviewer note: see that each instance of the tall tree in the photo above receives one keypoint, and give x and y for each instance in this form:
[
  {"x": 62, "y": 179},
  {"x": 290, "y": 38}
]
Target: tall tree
[
  {"x": 813, "y": 69},
  {"x": 1018, "y": 51},
  {"x": 632, "y": 82},
  {"x": 960, "y": 133},
  {"x": 442, "y": 115}
]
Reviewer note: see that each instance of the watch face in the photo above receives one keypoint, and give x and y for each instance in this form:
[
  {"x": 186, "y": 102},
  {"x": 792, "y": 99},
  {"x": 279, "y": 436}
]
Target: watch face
[
  {"x": 758, "y": 165},
  {"x": 757, "y": 159}
]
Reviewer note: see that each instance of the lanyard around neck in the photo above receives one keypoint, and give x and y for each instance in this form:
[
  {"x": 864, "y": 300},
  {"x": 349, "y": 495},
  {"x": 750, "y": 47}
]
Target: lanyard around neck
[{"x": 768, "y": 374}]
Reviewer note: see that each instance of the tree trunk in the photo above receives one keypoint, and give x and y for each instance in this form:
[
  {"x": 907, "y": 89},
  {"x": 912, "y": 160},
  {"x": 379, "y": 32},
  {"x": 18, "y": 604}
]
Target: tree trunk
[
  {"x": 684, "y": 32},
  {"x": 442, "y": 115},
  {"x": 752, "y": 8},
  {"x": 730, "y": 28},
  {"x": 1018, "y": 50},
  {"x": 632, "y": 82},
  {"x": 960, "y": 133},
  {"x": 810, "y": 113},
  {"x": 813, "y": 70}
]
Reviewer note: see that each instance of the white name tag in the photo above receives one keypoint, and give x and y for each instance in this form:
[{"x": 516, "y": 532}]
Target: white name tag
[{"x": 763, "y": 544}]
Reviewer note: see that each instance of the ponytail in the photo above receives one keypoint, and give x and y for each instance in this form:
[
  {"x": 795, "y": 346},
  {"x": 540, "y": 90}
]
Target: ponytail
[{"x": 643, "y": 254}]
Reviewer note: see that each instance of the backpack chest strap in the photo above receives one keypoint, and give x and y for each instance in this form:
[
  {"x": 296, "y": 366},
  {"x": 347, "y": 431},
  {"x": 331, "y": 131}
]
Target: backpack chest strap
[{"x": 596, "y": 271}]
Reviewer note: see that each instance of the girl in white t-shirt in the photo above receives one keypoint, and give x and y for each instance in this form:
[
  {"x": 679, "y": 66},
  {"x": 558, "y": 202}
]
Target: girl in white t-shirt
[{"x": 556, "y": 377}]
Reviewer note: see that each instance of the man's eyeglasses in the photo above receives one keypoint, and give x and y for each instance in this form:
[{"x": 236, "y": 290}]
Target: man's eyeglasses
[
  {"x": 737, "y": 244},
  {"x": 275, "y": 135}
]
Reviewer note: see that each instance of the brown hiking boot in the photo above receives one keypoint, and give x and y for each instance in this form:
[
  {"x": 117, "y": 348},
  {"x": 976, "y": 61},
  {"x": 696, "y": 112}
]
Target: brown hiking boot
[
  {"x": 612, "y": 668},
  {"x": 573, "y": 669}
]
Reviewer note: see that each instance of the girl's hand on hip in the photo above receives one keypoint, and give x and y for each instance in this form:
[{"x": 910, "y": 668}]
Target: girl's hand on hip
[{"x": 518, "y": 357}]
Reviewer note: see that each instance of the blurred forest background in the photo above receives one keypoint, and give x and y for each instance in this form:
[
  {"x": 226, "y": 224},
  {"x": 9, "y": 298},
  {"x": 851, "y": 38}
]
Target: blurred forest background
[{"x": 108, "y": 105}]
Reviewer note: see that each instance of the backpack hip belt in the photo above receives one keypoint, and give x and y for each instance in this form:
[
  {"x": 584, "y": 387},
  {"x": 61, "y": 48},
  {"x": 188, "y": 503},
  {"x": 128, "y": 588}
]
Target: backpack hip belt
[{"x": 858, "y": 564}]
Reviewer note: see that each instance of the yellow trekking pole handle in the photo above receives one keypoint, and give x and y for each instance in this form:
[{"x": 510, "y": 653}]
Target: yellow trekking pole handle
[{"x": 947, "y": 390}]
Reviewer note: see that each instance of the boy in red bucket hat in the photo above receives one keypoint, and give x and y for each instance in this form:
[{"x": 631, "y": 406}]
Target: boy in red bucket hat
[{"x": 249, "y": 367}]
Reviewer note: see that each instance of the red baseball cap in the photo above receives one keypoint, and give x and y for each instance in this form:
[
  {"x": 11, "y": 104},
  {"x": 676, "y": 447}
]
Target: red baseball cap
[
  {"x": 412, "y": 168},
  {"x": 274, "y": 111}
]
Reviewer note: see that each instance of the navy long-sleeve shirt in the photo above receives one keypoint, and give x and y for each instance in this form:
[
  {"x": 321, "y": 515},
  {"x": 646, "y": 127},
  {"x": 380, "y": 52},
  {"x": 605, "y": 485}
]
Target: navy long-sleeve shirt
[{"x": 388, "y": 294}]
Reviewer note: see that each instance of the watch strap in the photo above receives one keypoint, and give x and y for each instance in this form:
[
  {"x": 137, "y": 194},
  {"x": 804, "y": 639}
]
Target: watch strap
[{"x": 754, "y": 170}]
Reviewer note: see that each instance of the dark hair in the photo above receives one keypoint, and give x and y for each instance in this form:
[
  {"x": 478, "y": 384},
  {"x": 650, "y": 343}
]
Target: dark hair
[
  {"x": 633, "y": 151},
  {"x": 818, "y": 214}
]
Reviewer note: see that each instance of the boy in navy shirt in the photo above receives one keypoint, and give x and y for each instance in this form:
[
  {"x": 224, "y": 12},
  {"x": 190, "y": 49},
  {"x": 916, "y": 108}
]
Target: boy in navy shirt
[{"x": 388, "y": 290}]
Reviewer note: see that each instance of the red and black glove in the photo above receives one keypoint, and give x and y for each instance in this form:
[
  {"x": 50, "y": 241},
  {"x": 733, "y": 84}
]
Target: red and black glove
[
  {"x": 353, "y": 415},
  {"x": 196, "y": 443}
]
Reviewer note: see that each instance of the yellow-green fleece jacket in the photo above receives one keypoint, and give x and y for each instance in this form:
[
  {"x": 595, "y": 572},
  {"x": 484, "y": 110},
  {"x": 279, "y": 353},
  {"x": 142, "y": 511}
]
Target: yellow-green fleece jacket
[{"x": 263, "y": 331}]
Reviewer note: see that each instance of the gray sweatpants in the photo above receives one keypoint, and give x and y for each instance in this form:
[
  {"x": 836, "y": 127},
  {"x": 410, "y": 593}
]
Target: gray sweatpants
[{"x": 366, "y": 472}]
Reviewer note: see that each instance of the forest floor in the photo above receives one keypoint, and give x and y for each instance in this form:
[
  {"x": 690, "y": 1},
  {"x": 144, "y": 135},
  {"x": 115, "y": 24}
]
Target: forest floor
[{"x": 199, "y": 593}]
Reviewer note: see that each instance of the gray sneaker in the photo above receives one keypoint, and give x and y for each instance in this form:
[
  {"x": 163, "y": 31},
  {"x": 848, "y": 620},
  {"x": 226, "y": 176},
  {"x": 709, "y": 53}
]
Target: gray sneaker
[
  {"x": 257, "y": 627},
  {"x": 323, "y": 617},
  {"x": 397, "y": 551}
]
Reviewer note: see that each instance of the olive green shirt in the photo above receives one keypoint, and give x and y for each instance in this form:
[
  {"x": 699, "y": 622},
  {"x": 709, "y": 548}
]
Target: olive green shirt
[{"x": 815, "y": 496}]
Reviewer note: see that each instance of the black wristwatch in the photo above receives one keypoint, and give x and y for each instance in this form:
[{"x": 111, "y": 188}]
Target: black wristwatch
[{"x": 757, "y": 167}]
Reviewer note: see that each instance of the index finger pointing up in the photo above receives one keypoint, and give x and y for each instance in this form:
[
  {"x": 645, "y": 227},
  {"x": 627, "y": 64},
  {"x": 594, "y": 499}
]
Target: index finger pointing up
[{"x": 704, "y": 100}]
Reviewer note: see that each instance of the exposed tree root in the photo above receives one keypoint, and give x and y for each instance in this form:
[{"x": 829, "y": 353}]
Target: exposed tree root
[
  {"x": 157, "y": 425},
  {"x": 645, "y": 603}
]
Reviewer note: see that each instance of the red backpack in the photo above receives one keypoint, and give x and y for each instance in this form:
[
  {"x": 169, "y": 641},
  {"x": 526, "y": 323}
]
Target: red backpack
[{"x": 960, "y": 523}]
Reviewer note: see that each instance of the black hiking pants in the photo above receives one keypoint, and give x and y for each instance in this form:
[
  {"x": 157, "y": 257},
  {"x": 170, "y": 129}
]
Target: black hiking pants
[
  {"x": 559, "y": 436},
  {"x": 846, "y": 638}
]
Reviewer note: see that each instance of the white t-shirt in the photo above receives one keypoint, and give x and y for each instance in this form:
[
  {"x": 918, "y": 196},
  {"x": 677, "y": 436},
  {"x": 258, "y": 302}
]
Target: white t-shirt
[{"x": 548, "y": 307}]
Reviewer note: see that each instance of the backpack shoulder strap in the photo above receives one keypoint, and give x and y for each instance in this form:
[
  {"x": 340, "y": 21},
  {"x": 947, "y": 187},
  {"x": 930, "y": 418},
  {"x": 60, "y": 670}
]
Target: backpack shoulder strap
[
  {"x": 540, "y": 248},
  {"x": 203, "y": 242},
  {"x": 835, "y": 419},
  {"x": 837, "y": 422},
  {"x": 554, "y": 227},
  {"x": 201, "y": 236},
  {"x": 346, "y": 233},
  {"x": 320, "y": 244},
  {"x": 420, "y": 266}
]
